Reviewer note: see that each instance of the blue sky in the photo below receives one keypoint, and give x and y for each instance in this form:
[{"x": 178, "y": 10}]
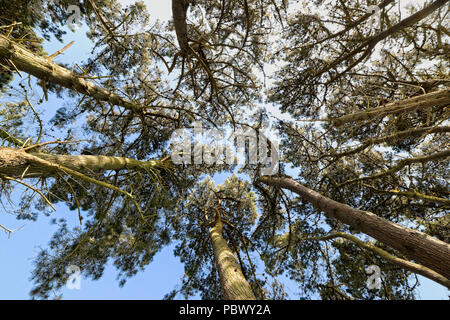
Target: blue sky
[{"x": 160, "y": 276}]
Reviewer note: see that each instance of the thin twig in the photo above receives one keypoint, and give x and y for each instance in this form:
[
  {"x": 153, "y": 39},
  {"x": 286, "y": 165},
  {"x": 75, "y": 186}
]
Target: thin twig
[
  {"x": 51, "y": 142},
  {"x": 32, "y": 188},
  {"x": 60, "y": 51},
  {"x": 6, "y": 229}
]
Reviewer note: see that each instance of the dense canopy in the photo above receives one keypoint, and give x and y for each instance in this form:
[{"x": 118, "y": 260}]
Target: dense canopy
[{"x": 360, "y": 101}]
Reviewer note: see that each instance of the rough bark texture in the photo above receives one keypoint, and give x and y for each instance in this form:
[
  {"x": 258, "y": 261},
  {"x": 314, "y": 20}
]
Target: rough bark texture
[
  {"x": 415, "y": 245},
  {"x": 46, "y": 70},
  {"x": 14, "y": 162},
  {"x": 233, "y": 282},
  {"x": 179, "y": 12}
]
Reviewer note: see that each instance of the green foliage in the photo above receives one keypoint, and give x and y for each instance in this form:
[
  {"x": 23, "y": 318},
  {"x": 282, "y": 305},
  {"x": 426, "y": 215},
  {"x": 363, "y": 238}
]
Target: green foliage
[{"x": 219, "y": 83}]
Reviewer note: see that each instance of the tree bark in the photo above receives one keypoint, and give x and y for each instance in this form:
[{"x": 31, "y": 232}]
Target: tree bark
[
  {"x": 233, "y": 282},
  {"x": 14, "y": 163},
  {"x": 46, "y": 70},
  {"x": 179, "y": 13},
  {"x": 415, "y": 245}
]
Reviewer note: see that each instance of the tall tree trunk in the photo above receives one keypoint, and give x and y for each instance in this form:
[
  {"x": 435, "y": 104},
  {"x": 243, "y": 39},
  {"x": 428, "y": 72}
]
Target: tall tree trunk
[
  {"x": 179, "y": 12},
  {"x": 17, "y": 163},
  {"x": 45, "y": 70},
  {"x": 233, "y": 282},
  {"x": 415, "y": 245}
]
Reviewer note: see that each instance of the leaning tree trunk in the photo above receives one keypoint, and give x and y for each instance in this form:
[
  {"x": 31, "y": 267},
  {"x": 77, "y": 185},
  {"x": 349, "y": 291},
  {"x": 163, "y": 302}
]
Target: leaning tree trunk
[
  {"x": 46, "y": 70},
  {"x": 17, "y": 163},
  {"x": 233, "y": 282},
  {"x": 415, "y": 245}
]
